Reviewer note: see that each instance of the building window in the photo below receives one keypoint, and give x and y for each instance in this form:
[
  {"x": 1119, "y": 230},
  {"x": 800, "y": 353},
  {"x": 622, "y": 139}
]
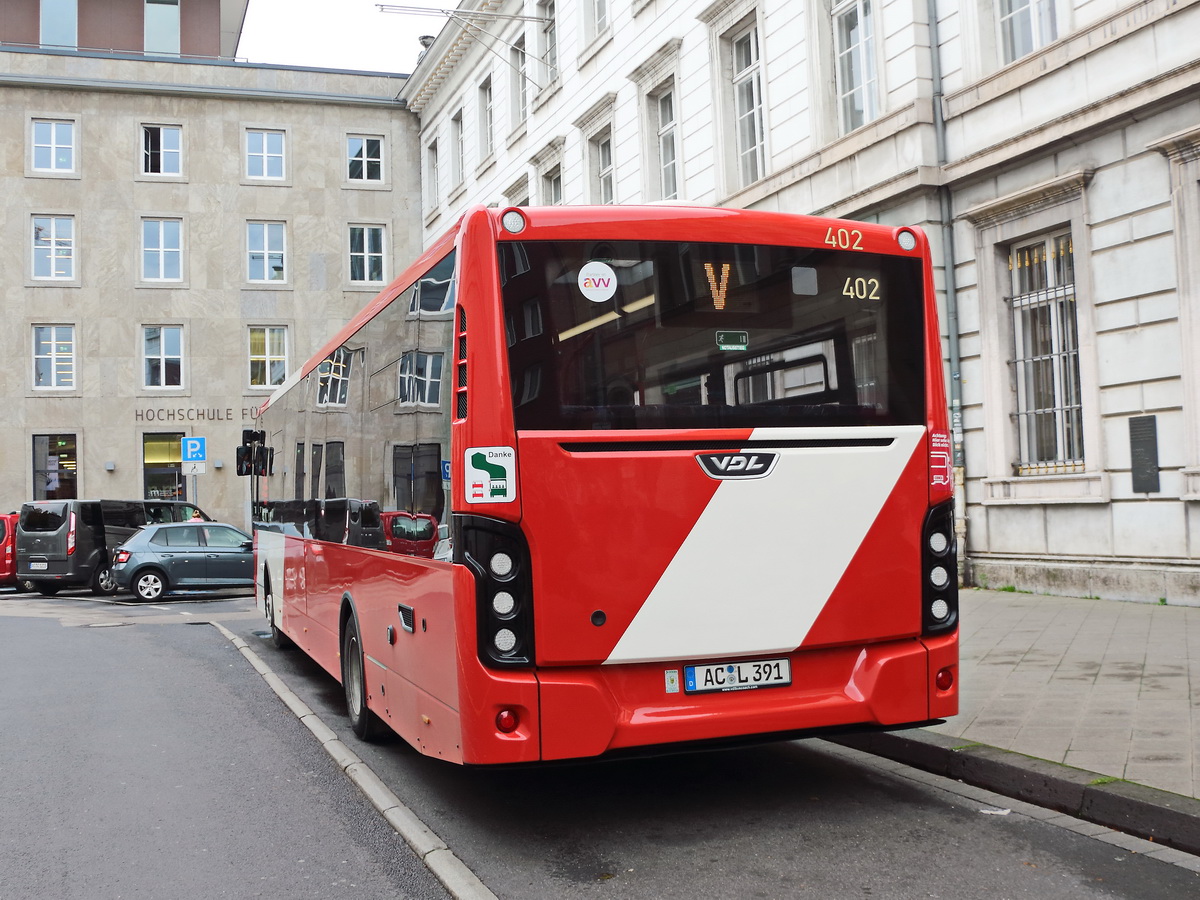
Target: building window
[
  {"x": 265, "y": 251},
  {"x": 663, "y": 110},
  {"x": 487, "y": 122},
  {"x": 264, "y": 154},
  {"x": 599, "y": 16},
  {"x": 54, "y": 248},
  {"x": 333, "y": 378},
  {"x": 162, "y": 150},
  {"x": 1026, "y": 25},
  {"x": 364, "y": 158},
  {"x": 520, "y": 81},
  {"x": 552, "y": 187},
  {"x": 549, "y": 49},
  {"x": 366, "y": 253},
  {"x": 162, "y": 250},
  {"x": 60, "y": 23},
  {"x": 53, "y": 146},
  {"x": 432, "y": 176},
  {"x": 162, "y": 466},
  {"x": 268, "y": 355},
  {"x": 162, "y": 355},
  {"x": 601, "y": 152},
  {"x": 1046, "y": 356},
  {"x": 161, "y": 32},
  {"x": 458, "y": 148},
  {"x": 748, "y": 105},
  {"x": 854, "y": 36},
  {"x": 55, "y": 467},
  {"x": 420, "y": 378},
  {"x": 54, "y": 356}
]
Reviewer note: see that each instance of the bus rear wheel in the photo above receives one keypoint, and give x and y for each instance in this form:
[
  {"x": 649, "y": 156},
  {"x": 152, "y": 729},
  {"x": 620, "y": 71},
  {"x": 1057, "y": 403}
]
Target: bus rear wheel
[
  {"x": 364, "y": 722},
  {"x": 279, "y": 640}
]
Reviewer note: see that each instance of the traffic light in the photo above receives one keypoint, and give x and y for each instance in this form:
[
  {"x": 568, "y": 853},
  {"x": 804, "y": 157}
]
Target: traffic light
[
  {"x": 244, "y": 456},
  {"x": 253, "y": 458}
]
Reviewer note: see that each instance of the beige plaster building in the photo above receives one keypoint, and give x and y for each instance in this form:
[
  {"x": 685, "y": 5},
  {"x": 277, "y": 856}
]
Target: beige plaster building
[{"x": 180, "y": 232}]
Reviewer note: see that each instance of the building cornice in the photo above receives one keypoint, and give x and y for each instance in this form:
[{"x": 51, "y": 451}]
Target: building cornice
[{"x": 1031, "y": 199}]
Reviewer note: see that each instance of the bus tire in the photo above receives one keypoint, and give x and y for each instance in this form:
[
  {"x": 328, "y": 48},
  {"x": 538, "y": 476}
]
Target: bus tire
[
  {"x": 364, "y": 722},
  {"x": 279, "y": 640}
]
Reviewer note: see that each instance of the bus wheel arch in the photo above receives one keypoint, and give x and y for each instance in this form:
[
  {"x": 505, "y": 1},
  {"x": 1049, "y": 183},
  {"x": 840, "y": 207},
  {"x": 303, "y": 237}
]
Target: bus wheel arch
[
  {"x": 279, "y": 640},
  {"x": 364, "y": 723}
]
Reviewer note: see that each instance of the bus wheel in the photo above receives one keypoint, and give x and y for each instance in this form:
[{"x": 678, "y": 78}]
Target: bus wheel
[
  {"x": 364, "y": 722},
  {"x": 278, "y": 639},
  {"x": 104, "y": 582}
]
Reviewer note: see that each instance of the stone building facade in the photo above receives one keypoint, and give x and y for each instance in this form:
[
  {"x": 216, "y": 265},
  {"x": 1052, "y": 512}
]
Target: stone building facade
[
  {"x": 180, "y": 233},
  {"x": 1050, "y": 147}
]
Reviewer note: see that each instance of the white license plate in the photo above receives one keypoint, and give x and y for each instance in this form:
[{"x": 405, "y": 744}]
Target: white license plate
[
  {"x": 738, "y": 676},
  {"x": 38, "y": 566}
]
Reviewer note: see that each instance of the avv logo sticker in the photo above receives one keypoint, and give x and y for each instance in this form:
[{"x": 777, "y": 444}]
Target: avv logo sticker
[
  {"x": 597, "y": 281},
  {"x": 491, "y": 474},
  {"x": 737, "y": 465}
]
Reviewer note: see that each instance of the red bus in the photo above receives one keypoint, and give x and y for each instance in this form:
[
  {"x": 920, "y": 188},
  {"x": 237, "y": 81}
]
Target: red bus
[{"x": 686, "y": 469}]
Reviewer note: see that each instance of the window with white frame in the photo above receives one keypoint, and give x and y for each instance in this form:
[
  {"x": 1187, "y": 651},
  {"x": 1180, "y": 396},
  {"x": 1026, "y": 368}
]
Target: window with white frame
[
  {"x": 520, "y": 81},
  {"x": 162, "y": 356},
  {"x": 54, "y": 248},
  {"x": 552, "y": 186},
  {"x": 749, "y": 129},
  {"x": 59, "y": 23},
  {"x": 53, "y": 143},
  {"x": 364, "y": 158},
  {"x": 54, "y": 356},
  {"x": 162, "y": 249},
  {"x": 266, "y": 252},
  {"x": 420, "y": 378},
  {"x": 1046, "y": 355},
  {"x": 366, "y": 253},
  {"x": 162, "y": 150},
  {"x": 855, "y": 76},
  {"x": 598, "y": 13},
  {"x": 603, "y": 172},
  {"x": 662, "y": 109},
  {"x": 1025, "y": 26},
  {"x": 458, "y": 148},
  {"x": 432, "y": 175},
  {"x": 487, "y": 120},
  {"x": 161, "y": 27},
  {"x": 264, "y": 154},
  {"x": 333, "y": 378},
  {"x": 268, "y": 355},
  {"x": 548, "y": 51}
]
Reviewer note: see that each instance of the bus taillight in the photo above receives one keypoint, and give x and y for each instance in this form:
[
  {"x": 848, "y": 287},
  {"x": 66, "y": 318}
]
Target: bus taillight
[
  {"x": 498, "y": 555},
  {"x": 939, "y": 558},
  {"x": 507, "y": 721}
]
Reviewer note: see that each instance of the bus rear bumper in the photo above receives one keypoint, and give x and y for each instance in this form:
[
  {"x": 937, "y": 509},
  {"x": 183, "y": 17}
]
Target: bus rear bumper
[{"x": 590, "y": 712}]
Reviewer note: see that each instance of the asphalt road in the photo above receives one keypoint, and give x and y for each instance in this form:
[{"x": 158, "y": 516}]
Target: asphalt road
[{"x": 152, "y": 754}]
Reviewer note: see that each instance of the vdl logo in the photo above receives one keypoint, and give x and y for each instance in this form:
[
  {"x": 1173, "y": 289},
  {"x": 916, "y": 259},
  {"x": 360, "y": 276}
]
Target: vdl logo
[{"x": 737, "y": 465}]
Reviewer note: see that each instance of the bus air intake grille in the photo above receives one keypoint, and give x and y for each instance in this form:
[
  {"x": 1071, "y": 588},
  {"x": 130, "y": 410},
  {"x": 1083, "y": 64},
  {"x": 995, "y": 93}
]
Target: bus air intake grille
[{"x": 460, "y": 390}]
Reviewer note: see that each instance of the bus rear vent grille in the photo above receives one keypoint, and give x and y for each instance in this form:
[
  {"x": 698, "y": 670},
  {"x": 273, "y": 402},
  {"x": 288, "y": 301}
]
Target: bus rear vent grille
[{"x": 460, "y": 391}]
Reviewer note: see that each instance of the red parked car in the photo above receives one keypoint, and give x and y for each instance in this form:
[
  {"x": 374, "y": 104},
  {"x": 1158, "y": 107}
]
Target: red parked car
[{"x": 8, "y": 550}]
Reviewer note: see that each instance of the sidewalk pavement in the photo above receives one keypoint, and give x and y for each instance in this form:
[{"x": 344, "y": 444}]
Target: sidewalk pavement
[{"x": 1090, "y": 707}]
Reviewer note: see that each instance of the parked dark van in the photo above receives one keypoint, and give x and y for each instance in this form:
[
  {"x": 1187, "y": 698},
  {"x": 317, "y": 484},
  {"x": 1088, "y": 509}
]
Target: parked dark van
[{"x": 68, "y": 543}]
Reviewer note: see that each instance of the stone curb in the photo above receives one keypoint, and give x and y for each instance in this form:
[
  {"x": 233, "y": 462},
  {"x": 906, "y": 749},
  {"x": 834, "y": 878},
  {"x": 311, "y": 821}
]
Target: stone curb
[
  {"x": 455, "y": 876},
  {"x": 1172, "y": 820}
]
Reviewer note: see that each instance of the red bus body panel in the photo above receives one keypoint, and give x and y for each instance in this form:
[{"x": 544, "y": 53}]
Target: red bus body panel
[{"x": 642, "y": 563}]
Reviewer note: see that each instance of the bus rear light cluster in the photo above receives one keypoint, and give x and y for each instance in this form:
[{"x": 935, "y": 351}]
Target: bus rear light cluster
[
  {"x": 497, "y": 554},
  {"x": 944, "y": 679},
  {"x": 939, "y": 563}
]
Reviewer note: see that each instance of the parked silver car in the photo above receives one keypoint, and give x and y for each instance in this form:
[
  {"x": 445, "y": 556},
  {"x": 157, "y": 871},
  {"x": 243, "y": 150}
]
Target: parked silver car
[{"x": 184, "y": 556}]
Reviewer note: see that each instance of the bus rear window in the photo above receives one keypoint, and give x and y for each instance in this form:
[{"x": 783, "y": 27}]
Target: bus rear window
[{"x": 631, "y": 334}]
